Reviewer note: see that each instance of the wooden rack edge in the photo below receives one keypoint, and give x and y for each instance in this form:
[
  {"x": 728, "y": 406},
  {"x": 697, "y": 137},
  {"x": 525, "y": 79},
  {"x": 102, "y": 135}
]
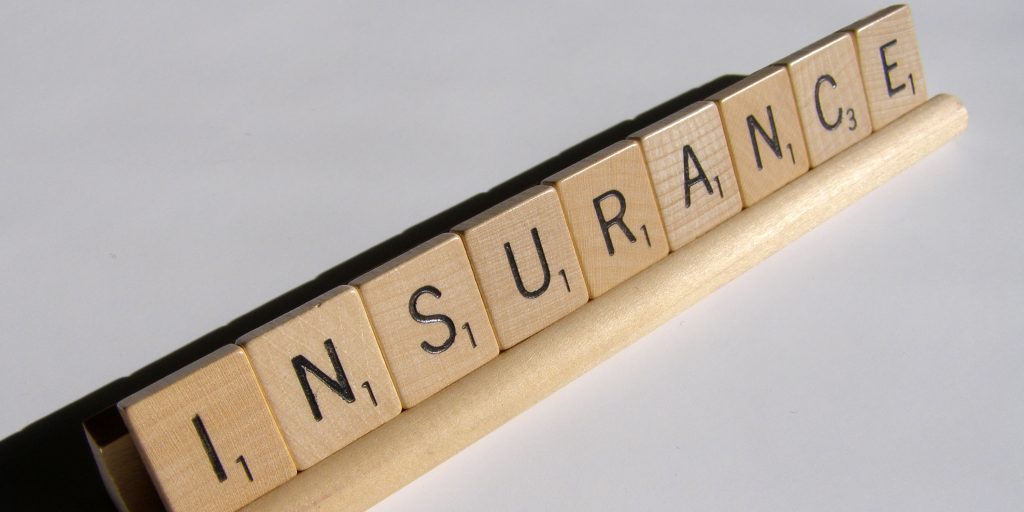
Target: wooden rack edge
[{"x": 383, "y": 461}]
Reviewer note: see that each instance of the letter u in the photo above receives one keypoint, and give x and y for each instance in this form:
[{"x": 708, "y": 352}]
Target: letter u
[{"x": 529, "y": 294}]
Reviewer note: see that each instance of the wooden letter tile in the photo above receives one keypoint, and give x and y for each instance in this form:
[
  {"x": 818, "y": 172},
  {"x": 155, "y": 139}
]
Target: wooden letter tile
[
  {"x": 688, "y": 159},
  {"x": 612, "y": 215},
  {"x": 890, "y": 63},
  {"x": 429, "y": 318},
  {"x": 206, "y": 435},
  {"x": 522, "y": 254},
  {"x": 323, "y": 374},
  {"x": 764, "y": 134},
  {"x": 829, "y": 96}
]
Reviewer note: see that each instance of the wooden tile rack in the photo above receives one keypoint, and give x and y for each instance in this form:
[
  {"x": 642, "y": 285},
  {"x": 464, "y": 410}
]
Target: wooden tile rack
[{"x": 765, "y": 133}]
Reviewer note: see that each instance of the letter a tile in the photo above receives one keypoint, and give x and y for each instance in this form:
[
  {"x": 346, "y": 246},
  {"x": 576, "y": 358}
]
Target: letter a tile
[
  {"x": 688, "y": 159},
  {"x": 890, "y": 63},
  {"x": 429, "y": 318},
  {"x": 829, "y": 95},
  {"x": 522, "y": 254},
  {"x": 763, "y": 129},
  {"x": 206, "y": 435},
  {"x": 612, "y": 215},
  {"x": 323, "y": 374}
]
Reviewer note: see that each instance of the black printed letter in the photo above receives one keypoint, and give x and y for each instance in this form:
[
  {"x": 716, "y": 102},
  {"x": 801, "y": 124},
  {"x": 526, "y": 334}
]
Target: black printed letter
[
  {"x": 211, "y": 452},
  {"x": 887, "y": 68},
  {"x": 529, "y": 294},
  {"x": 773, "y": 141},
  {"x": 339, "y": 386},
  {"x": 432, "y": 319},
  {"x": 688, "y": 182},
  {"x": 614, "y": 221},
  {"x": 817, "y": 103}
]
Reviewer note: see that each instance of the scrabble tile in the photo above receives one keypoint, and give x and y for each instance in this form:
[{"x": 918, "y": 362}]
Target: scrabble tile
[
  {"x": 691, "y": 169},
  {"x": 323, "y": 374},
  {"x": 763, "y": 129},
  {"x": 612, "y": 214},
  {"x": 829, "y": 96},
  {"x": 890, "y": 63},
  {"x": 119, "y": 463},
  {"x": 525, "y": 264},
  {"x": 206, "y": 435},
  {"x": 429, "y": 317}
]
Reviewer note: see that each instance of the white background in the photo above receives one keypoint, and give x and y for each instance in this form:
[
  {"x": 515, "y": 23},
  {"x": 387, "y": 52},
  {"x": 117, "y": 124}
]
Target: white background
[{"x": 164, "y": 170}]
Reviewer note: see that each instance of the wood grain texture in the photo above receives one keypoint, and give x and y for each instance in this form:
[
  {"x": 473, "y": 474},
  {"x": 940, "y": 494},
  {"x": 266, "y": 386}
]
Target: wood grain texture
[
  {"x": 612, "y": 214},
  {"x": 119, "y": 463},
  {"x": 332, "y": 328},
  {"x": 691, "y": 169},
  {"x": 890, "y": 63},
  {"x": 429, "y": 318},
  {"x": 206, "y": 435},
  {"x": 525, "y": 264},
  {"x": 829, "y": 96},
  {"x": 764, "y": 134},
  {"x": 419, "y": 439}
]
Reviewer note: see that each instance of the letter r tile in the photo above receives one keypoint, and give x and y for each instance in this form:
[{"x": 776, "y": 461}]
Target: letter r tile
[
  {"x": 323, "y": 374},
  {"x": 612, "y": 214},
  {"x": 525, "y": 264},
  {"x": 429, "y": 318}
]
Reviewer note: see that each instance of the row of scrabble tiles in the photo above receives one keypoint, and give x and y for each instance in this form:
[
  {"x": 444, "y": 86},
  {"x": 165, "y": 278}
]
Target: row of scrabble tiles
[{"x": 237, "y": 423}]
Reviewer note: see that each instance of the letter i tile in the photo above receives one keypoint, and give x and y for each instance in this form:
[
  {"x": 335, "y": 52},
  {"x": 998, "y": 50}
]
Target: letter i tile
[{"x": 206, "y": 436}]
